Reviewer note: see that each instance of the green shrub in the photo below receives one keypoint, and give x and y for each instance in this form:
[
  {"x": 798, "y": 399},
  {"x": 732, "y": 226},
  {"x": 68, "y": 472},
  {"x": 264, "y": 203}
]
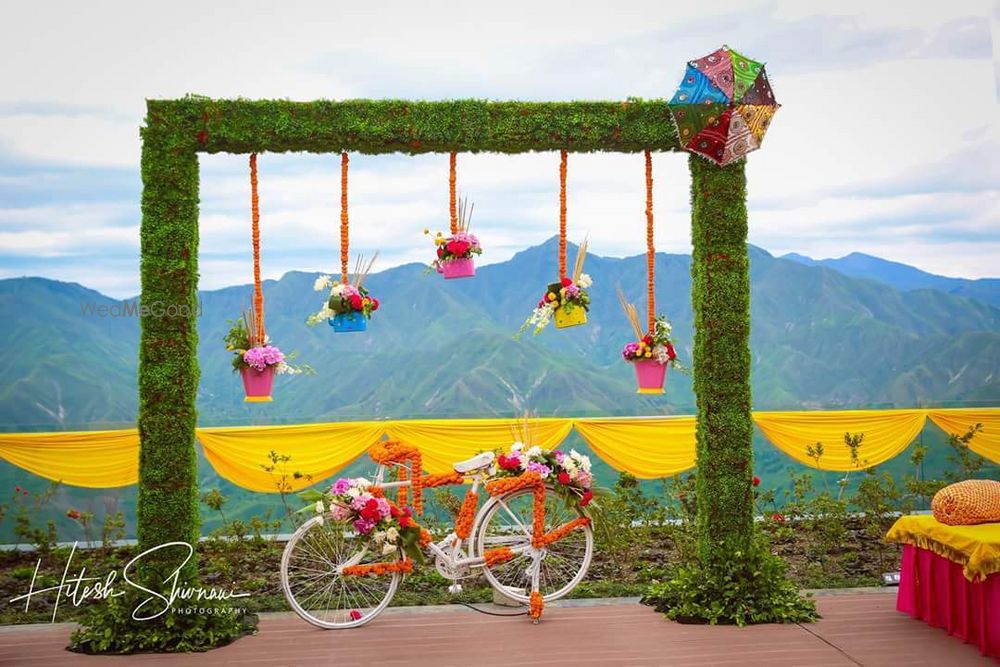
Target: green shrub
[
  {"x": 108, "y": 627},
  {"x": 750, "y": 588}
]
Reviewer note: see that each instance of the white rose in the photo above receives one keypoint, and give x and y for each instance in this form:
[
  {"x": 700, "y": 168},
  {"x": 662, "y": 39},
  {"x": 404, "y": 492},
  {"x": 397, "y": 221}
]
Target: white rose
[
  {"x": 392, "y": 535},
  {"x": 534, "y": 452},
  {"x": 322, "y": 283},
  {"x": 338, "y": 289},
  {"x": 584, "y": 281},
  {"x": 319, "y": 507},
  {"x": 379, "y": 535},
  {"x": 388, "y": 548},
  {"x": 516, "y": 447},
  {"x": 354, "y": 492}
]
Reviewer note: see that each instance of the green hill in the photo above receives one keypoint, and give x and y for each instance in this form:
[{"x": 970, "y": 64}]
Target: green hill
[{"x": 820, "y": 339}]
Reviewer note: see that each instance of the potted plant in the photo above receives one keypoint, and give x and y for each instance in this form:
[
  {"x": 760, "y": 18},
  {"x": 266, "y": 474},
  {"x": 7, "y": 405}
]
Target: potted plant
[
  {"x": 650, "y": 353},
  {"x": 349, "y": 305},
  {"x": 566, "y": 301},
  {"x": 455, "y": 253},
  {"x": 255, "y": 359}
]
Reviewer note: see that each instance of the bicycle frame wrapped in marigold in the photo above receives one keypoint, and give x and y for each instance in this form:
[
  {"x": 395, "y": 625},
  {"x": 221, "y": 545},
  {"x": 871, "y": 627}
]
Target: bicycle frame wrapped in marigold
[{"x": 531, "y": 538}]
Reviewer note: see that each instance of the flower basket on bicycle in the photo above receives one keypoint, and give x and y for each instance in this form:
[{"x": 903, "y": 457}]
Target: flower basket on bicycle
[{"x": 341, "y": 568}]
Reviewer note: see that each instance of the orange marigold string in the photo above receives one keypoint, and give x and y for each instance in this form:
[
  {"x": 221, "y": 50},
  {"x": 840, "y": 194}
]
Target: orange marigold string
[
  {"x": 650, "y": 250},
  {"x": 425, "y": 537},
  {"x": 562, "y": 213},
  {"x": 538, "y": 517},
  {"x": 562, "y": 531},
  {"x": 463, "y": 524},
  {"x": 343, "y": 217},
  {"x": 497, "y": 556},
  {"x": 443, "y": 479},
  {"x": 452, "y": 204},
  {"x": 376, "y": 569},
  {"x": 527, "y": 480},
  {"x": 388, "y": 452},
  {"x": 536, "y": 606},
  {"x": 258, "y": 292}
]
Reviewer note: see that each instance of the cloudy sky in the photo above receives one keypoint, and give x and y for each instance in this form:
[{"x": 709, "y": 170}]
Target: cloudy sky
[{"x": 887, "y": 142}]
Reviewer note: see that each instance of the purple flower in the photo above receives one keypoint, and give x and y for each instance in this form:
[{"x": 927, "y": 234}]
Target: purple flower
[
  {"x": 263, "y": 356},
  {"x": 630, "y": 351},
  {"x": 572, "y": 291},
  {"x": 383, "y": 506},
  {"x": 340, "y": 513},
  {"x": 363, "y": 525},
  {"x": 542, "y": 469},
  {"x": 341, "y": 486},
  {"x": 362, "y": 500},
  {"x": 559, "y": 456}
]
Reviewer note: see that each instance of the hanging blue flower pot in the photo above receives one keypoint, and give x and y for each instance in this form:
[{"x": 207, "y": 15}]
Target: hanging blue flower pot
[{"x": 349, "y": 322}]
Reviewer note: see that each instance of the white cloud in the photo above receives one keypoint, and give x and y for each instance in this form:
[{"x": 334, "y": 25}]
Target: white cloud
[{"x": 842, "y": 169}]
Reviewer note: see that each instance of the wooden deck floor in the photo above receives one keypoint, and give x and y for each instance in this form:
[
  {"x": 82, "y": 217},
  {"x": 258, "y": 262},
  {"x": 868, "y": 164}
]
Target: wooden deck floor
[{"x": 857, "y": 629}]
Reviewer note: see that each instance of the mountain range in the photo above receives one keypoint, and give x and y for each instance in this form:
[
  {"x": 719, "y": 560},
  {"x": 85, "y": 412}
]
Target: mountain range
[
  {"x": 904, "y": 277},
  {"x": 820, "y": 339}
]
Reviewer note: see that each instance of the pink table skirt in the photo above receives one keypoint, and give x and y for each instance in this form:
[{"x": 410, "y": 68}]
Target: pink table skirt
[{"x": 933, "y": 589}]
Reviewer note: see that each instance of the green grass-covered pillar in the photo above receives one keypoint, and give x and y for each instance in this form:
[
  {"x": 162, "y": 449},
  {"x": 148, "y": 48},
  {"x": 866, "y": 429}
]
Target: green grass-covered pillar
[
  {"x": 167, "y": 509},
  {"x": 736, "y": 578},
  {"x": 720, "y": 297}
]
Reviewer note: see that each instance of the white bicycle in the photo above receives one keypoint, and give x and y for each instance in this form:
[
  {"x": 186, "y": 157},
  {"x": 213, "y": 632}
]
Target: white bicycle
[{"x": 530, "y": 544}]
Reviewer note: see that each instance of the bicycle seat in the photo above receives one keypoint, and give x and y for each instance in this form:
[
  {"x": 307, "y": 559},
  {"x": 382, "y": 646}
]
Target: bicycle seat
[{"x": 475, "y": 464}]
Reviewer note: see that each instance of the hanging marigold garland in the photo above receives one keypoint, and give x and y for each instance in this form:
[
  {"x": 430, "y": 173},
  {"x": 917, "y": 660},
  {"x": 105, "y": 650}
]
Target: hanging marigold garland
[
  {"x": 563, "y": 159},
  {"x": 258, "y": 292},
  {"x": 344, "y": 228},
  {"x": 650, "y": 250},
  {"x": 452, "y": 199}
]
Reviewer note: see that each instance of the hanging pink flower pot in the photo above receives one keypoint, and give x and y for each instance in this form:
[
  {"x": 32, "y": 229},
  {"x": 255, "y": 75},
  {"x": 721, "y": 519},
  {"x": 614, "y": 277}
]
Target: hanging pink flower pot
[
  {"x": 650, "y": 375},
  {"x": 458, "y": 268},
  {"x": 257, "y": 384}
]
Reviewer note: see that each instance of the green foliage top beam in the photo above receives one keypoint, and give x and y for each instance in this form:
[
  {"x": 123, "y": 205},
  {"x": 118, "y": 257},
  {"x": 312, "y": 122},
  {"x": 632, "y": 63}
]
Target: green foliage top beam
[{"x": 402, "y": 126}]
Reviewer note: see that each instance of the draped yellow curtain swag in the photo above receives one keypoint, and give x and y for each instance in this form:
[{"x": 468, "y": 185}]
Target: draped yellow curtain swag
[{"x": 647, "y": 447}]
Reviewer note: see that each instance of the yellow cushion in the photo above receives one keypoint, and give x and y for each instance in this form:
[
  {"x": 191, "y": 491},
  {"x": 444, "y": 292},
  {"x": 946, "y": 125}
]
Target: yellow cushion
[{"x": 968, "y": 503}]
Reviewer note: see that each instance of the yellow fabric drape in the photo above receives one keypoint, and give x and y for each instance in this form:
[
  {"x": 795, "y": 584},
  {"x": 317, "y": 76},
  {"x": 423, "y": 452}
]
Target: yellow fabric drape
[
  {"x": 977, "y": 548},
  {"x": 92, "y": 459},
  {"x": 443, "y": 441},
  {"x": 316, "y": 450},
  {"x": 986, "y": 443},
  {"x": 887, "y": 433},
  {"x": 647, "y": 448}
]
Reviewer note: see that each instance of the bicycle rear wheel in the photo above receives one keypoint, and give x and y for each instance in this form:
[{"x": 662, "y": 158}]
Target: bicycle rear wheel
[
  {"x": 317, "y": 591},
  {"x": 507, "y": 522}
]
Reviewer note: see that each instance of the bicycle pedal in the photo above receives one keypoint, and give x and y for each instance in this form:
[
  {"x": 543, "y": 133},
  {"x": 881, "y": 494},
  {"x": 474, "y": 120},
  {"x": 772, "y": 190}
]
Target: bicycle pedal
[{"x": 455, "y": 589}]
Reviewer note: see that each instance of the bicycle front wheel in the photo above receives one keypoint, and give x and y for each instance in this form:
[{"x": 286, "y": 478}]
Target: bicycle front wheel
[
  {"x": 562, "y": 565},
  {"x": 314, "y": 586}
]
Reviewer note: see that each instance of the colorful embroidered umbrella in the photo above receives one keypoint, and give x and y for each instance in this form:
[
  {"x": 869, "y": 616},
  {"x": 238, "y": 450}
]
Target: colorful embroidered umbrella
[{"x": 723, "y": 106}]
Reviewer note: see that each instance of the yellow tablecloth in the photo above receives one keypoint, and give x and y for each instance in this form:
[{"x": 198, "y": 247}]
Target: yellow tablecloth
[{"x": 976, "y": 548}]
